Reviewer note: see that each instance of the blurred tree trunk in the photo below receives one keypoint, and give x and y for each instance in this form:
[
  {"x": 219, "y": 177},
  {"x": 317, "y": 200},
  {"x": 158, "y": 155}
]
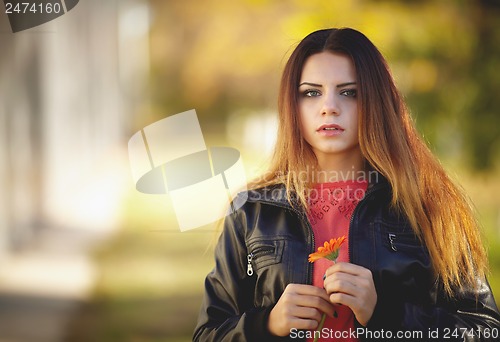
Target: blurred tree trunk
[{"x": 482, "y": 131}]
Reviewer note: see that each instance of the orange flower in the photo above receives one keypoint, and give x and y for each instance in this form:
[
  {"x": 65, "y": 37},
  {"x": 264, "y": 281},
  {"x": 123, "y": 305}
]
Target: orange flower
[{"x": 329, "y": 250}]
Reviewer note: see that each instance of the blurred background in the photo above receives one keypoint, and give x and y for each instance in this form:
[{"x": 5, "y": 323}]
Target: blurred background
[{"x": 83, "y": 255}]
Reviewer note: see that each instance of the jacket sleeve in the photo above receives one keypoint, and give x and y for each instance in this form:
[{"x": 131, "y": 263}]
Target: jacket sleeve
[
  {"x": 471, "y": 316},
  {"x": 227, "y": 312}
]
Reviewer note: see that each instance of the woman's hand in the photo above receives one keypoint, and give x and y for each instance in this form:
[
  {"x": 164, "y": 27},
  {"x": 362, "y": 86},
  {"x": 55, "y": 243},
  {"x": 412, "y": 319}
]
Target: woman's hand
[
  {"x": 352, "y": 285},
  {"x": 301, "y": 307}
]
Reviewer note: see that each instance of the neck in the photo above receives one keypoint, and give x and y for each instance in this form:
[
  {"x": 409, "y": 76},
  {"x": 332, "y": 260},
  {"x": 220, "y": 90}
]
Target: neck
[{"x": 333, "y": 168}]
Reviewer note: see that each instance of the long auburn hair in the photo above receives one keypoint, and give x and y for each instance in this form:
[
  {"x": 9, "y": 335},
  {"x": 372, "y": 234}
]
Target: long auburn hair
[{"x": 437, "y": 209}]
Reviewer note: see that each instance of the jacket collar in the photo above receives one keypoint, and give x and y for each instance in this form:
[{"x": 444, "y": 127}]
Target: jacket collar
[{"x": 276, "y": 194}]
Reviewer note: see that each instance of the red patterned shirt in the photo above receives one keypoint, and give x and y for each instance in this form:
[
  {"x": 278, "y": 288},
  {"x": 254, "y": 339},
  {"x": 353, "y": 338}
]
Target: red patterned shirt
[{"x": 331, "y": 206}]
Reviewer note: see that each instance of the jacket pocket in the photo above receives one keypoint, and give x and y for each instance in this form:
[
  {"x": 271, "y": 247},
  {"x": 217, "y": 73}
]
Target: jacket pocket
[
  {"x": 400, "y": 242},
  {"x": 267, "y": 266},
  {"x": 399, "y": 237},
  {"x": 403, "y": 265},
  {"x": 263, "y": 253}
]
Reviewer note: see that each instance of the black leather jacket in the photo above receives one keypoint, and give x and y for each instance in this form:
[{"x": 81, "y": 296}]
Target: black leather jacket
[{"x": 265, "y": 246}]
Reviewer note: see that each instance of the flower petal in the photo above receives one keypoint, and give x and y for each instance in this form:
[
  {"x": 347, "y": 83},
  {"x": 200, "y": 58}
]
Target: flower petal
[{"x": 330, "y": 250}]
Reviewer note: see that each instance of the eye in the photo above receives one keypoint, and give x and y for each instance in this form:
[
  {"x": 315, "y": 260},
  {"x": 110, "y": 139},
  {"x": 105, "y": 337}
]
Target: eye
[
  {"x": 349, "y": 92},
  {"x": 311, "y": 93}
]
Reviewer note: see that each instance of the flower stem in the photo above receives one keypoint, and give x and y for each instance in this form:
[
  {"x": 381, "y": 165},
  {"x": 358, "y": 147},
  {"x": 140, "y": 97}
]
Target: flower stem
[{"x": 320, "y": 327}]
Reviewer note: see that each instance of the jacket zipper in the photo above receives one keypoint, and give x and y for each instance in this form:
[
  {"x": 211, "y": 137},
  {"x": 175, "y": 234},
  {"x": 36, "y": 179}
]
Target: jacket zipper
[
  {"x": 312, "y": 242},
  {"x": 369, "y": 192},
  {"x": 392, "y": 237},
  {"x": 259, "y": 251},
  {"x": 313, "y": 247},
  {"x": 249, "y": 266}
]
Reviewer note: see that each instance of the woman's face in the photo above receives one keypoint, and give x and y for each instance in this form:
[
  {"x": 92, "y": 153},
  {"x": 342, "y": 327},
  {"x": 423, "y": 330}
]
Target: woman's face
[{"x": 328, "y": 106}]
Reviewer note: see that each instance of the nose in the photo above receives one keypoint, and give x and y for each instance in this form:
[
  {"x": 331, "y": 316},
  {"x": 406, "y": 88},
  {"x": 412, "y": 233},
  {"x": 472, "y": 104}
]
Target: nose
[{"x": 329, "y": 105}]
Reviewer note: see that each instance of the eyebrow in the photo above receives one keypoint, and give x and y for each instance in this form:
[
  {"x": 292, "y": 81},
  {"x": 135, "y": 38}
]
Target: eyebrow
[{"x": 319, "y": 85}]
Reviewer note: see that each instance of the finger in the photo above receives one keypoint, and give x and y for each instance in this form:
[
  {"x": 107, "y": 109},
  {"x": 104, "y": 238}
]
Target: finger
[
  {"x": 345, "y": 299},
  {"x": 362, "y": 308},
  {"x": 356, "y": 286},
  {"x": 341, "y": 284},
  {"x": 303, "y": 324},
  {"x": 315, "y": 302},
  {"x": 308, "y": 290},
  {"x": 346, "y": 267},
  {"x": 306, "y": 313}
]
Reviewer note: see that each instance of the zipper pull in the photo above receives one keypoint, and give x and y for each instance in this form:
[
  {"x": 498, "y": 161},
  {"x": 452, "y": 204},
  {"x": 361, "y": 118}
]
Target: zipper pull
[
  {"x": 392, "y": 237},
  {"x": 249, "y": 266}
]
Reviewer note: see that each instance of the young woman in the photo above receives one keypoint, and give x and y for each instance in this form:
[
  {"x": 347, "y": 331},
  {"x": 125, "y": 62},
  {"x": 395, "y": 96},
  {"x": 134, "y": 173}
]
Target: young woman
[{"x": 348, "y": 162}]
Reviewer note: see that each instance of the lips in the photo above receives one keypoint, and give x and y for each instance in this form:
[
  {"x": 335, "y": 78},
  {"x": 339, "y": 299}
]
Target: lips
[{"x": 330, "y": 128}]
